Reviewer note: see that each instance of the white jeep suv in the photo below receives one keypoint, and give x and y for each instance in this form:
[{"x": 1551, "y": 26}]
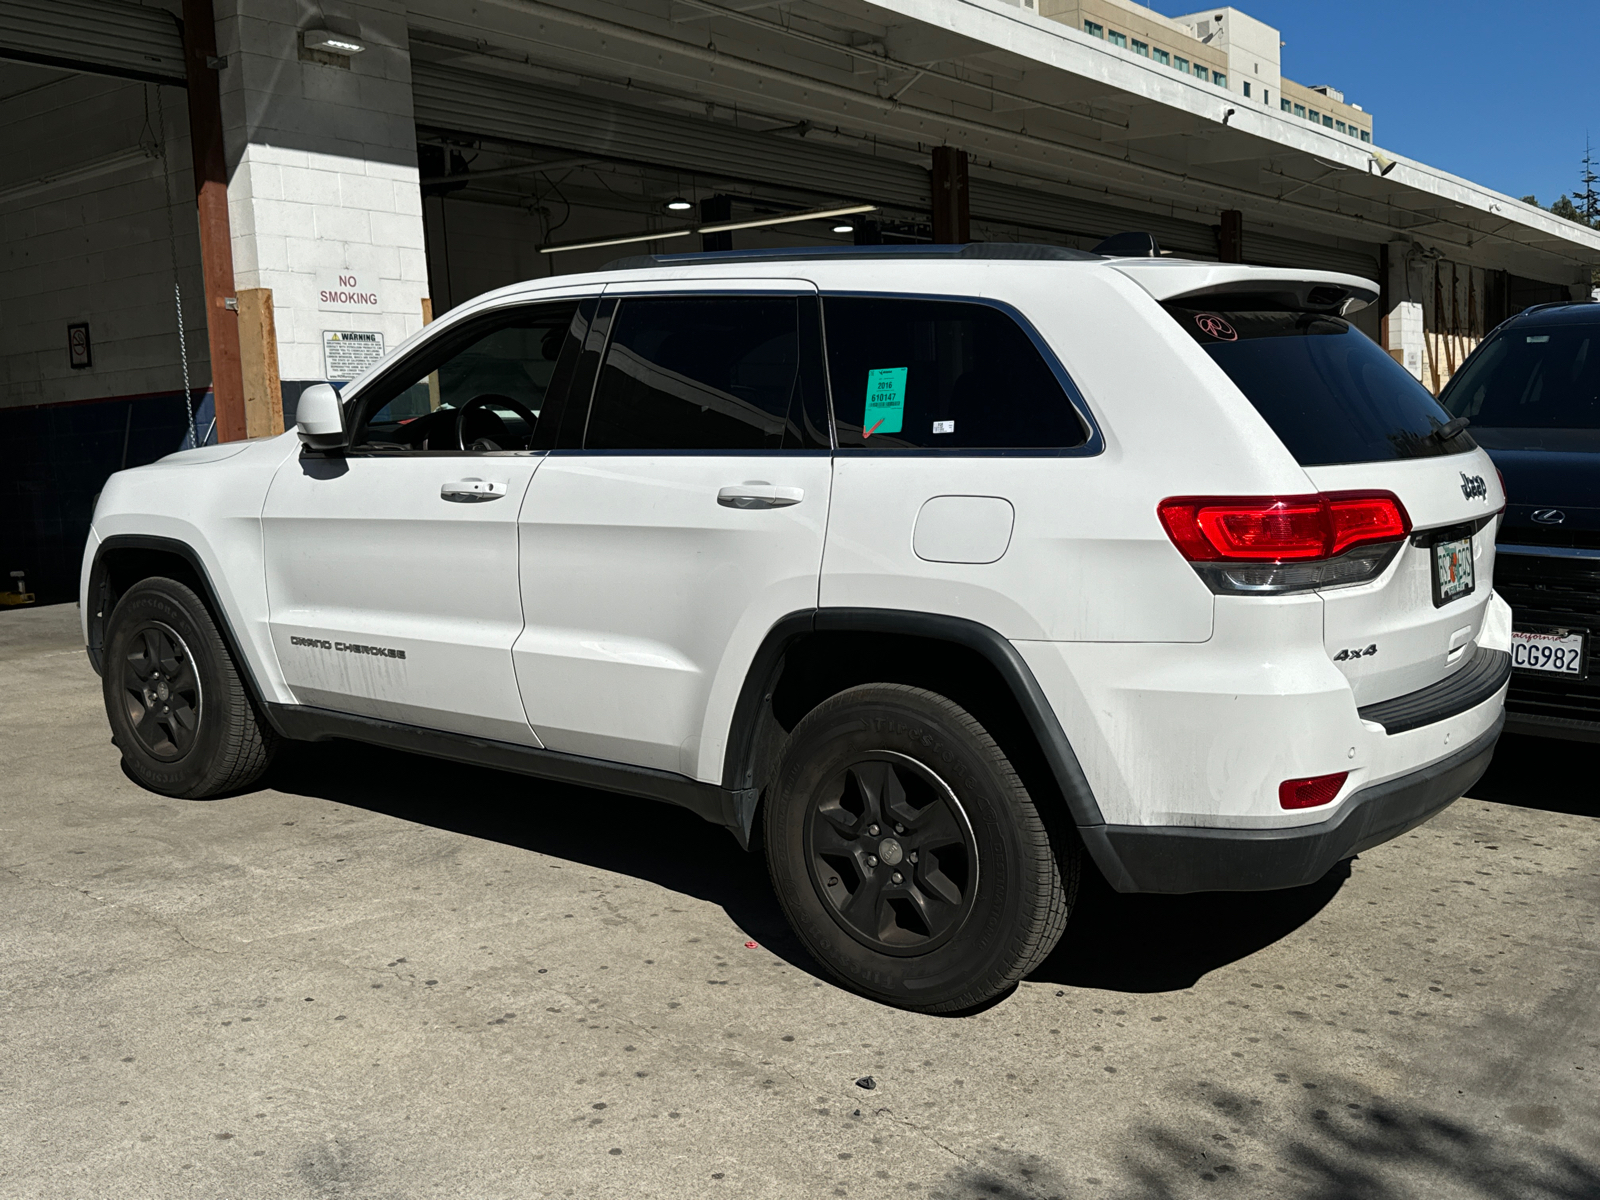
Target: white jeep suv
[{"x": 934, "y": 570}]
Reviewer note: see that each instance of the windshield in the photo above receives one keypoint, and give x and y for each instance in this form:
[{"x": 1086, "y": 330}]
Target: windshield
[
  {"x": 1532, "y": 376},
  {"x": 1330, "y": 393}
]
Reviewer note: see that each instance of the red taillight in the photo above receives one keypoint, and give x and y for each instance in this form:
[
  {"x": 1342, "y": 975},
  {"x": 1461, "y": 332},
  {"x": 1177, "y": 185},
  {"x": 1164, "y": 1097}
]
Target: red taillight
[
  {"x": 1280, "y": 529},
  {"x": 1309, "y": 793}
]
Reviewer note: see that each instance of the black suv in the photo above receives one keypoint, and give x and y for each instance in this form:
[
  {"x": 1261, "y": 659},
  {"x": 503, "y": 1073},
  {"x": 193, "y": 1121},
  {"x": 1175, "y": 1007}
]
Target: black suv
[{"x": 1532, "y": 393}]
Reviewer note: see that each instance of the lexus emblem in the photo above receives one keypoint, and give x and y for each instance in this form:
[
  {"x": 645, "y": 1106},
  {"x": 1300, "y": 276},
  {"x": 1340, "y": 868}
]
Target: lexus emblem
[
  {"x": 1473, "y": 487},
  {"x": 1549, "y": 516}
]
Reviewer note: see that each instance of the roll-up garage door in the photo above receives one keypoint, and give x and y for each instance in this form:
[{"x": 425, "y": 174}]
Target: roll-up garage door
[
  {"x": 103, "y": 37},
  {"x": 491, "y": 106}
]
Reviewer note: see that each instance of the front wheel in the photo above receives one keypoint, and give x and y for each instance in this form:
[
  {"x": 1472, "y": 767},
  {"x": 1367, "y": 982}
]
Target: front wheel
[
  {"x": 178, "y": 709},
  {"x": 908, "y": 855}
]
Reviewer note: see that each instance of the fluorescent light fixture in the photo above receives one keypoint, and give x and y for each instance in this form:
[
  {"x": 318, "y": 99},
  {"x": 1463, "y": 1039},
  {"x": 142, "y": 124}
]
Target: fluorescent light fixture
[
  {"x": 819, "y": 214},
  {"x": 844, "y": 227},
  {"x": 679, "y": 204},
  {"x": 334, "y": 43}
]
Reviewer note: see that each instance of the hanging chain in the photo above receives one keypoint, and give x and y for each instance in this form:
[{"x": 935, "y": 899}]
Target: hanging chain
[{"x": 172, "y": 246}]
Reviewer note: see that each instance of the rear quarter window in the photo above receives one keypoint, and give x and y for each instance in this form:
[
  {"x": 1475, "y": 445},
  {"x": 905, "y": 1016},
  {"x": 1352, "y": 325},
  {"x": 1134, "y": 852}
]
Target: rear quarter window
[
  {"x": 941, "y": 375},
  {"x": 1330, "y": 393}
]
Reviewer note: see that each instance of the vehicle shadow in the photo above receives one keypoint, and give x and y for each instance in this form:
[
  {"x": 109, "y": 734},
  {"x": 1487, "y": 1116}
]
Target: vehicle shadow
[
  {"x": 645, "y": 839},
  {"x": 1113, "y": 942},
  {"x": 1544, "y": 773},
  {"x": 1149, "y": 943}
]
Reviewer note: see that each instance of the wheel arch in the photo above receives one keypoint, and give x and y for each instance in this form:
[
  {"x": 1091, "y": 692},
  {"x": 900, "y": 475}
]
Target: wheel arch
[
  {"x": 123, "y": 559},
  {"x": 808, "y": 656}
]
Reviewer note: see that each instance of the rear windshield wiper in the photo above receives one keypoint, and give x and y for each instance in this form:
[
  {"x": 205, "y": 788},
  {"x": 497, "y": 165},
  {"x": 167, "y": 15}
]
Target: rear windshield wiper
[{"x": 1443, "y": 433}]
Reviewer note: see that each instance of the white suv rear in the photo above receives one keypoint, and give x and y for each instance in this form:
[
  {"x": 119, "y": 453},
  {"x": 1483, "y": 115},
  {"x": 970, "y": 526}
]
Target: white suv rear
[{"x": 929, "y": 568}]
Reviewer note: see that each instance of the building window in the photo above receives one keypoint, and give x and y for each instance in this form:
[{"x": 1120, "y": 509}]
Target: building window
[
  {"x": 1117, "y": 39},
  {"x": 1314, "y": 116},
  {"x": 1327, "y": 122},
  {"x": 1162, "y": 57},
  {"x": 1094, "y": 30},
  {"x": 1182, "y": 64},
  {"x": 1283, "y": 103},
  {"x": 1299, "y": 110},
  {"x": 1266, "y": 96},
  {"x": 1141, "y": 47},
  {"x": 1366, "y": 135},
  {"x": 1246, "y": 89},
  {"x": 1339, "y": 125},
  {"x": 1200, "y": 72},
  {"x": 1218, "y": 78}
]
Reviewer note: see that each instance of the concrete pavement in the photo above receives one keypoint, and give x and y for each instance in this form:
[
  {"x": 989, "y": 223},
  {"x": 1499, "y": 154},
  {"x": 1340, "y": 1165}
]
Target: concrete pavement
[{"x": 382, "y": 976}]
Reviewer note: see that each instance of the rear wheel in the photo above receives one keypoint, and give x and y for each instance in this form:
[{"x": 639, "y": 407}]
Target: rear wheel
[
  {"x": 177, "y": 706},
  {"x": 908, "y": 855}
]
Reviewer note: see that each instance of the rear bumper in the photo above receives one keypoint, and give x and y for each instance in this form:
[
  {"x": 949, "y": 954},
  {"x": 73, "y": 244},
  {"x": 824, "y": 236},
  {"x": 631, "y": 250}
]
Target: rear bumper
[{"x": 1177, "y": 859}]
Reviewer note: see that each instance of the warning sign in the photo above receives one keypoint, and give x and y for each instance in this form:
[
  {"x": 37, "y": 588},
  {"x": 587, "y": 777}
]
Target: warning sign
[{"x": 346, "y": 353}]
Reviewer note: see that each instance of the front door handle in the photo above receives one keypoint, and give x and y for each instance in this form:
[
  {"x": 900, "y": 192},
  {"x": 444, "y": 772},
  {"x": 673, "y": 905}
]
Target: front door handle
[
  {"x": 472, "y": 491},
  {"x": 758, "y": 493}
]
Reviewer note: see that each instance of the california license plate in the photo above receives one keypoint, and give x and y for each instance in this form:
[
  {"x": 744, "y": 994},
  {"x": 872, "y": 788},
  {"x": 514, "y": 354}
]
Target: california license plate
[
  {"x": 1452, "y": 570},
  {"x": 1549, "y": 652}
]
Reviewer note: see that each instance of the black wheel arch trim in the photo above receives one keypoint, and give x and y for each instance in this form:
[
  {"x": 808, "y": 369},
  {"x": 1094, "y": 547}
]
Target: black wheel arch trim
[
  {"x": 98, "y": 595},
  {"x": 739, "y": 763}
]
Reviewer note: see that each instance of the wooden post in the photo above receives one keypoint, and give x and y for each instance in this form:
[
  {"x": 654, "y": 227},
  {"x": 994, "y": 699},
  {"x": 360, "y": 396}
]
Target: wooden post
[
  {"x": 1230, "y": 238},
  {"x": 433, "y": 377},
  {"x": 258, "y": 361},
  {"x": 211, "y": 196},
  {"x": 952, "y": 216}
]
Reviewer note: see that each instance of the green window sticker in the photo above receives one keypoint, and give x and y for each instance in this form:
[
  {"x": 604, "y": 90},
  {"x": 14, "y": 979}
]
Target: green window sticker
[{"x": 886, "y": 401}]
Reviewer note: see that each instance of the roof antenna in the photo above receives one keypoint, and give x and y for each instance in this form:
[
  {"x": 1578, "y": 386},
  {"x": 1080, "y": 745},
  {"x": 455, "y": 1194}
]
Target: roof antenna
[{"x": 1130, "y": 245}]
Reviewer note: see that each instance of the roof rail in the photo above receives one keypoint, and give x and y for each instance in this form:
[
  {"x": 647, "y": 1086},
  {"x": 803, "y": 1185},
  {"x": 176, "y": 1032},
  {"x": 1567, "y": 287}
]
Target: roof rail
[{"x": 972, "y": 250}]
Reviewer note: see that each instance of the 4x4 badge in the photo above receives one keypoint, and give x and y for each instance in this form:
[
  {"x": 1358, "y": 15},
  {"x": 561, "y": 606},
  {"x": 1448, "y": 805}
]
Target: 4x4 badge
[{"x": 1473, "y": 487}]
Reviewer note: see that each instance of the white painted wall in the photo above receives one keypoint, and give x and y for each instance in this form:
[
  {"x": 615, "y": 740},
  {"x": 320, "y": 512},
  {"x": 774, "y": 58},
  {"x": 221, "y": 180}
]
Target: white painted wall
[
  {"x": 84, "y": 236},
  {"x": 322, "y": 193}
]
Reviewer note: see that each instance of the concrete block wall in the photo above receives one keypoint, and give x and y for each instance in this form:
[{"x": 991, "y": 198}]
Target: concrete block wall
[
  {"x": 86, "y": 235},
  {"x": 323, "y": 197}
]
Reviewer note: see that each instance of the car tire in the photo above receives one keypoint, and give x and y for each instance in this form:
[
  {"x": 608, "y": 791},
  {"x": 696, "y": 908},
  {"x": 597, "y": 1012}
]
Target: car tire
[
  {"x": 907, "y": 854},
  {"x": 178, "y": 708}
]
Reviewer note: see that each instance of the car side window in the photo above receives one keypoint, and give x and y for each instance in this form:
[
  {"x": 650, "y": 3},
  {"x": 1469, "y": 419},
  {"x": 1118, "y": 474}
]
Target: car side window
[
  {"x": 477, "y": 387},
  {"x": 941, "y": 375},
  {"x": 710, "y": 373}
]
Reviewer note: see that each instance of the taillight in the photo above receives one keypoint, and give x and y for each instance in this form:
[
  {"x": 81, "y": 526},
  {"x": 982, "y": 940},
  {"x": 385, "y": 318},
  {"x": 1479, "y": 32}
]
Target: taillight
[
  {"x": 1275, "y": 544},
  {"x": 1310, "y": 793}
]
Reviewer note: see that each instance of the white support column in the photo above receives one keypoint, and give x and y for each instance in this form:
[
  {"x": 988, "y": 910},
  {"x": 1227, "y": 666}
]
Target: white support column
[
  {"x": 1402, "y": 324},
  {"x": 323, "y": 194}
]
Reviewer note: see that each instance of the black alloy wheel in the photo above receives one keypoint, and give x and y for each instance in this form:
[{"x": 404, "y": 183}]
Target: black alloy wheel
[
  {"x": 907, "y": 853},
  {"x": 177, "y": 704},
  {"x": 891, "y": 849},
  {"x": 162, "y": 691}
]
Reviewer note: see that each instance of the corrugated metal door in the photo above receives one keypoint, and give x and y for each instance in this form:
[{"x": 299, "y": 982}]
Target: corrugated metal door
[{"x": 99, "y": 36}]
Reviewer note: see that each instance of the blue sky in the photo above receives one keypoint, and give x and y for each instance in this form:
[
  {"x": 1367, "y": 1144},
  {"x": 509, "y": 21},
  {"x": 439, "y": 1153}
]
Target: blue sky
[{"x": 1498, "y": 93}]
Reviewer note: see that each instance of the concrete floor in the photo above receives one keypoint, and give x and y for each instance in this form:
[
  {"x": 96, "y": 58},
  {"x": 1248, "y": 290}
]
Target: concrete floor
[{"x": 386, "y": 977}]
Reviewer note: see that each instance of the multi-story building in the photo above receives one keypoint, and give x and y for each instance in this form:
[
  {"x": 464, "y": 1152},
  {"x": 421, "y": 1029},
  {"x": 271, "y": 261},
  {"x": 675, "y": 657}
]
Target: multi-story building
[{"x": 1221, "y": 46}]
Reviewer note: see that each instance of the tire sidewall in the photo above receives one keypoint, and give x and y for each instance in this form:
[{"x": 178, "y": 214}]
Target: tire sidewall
[
  {"x": 841, "y": 731},
  {"x": 156, "y": 600}
]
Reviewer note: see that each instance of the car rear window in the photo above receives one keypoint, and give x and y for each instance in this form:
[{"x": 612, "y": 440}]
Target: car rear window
[
  {"x": 1330, "y": 393},
  {"x": 1544, "y": 376}
]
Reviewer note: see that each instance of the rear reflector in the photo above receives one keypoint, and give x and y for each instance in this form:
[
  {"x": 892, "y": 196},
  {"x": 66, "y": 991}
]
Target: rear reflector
[
  {"x": 1254, "y": 545},
  {"x": 1310, "y": 793}
]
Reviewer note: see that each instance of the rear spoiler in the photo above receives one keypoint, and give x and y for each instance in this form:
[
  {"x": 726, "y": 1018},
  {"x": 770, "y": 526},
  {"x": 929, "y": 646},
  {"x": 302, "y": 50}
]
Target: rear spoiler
[{"x": 1231, "y": 287}]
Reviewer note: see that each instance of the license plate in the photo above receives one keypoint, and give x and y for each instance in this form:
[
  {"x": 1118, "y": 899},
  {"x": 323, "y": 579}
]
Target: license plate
[
  {"x": 1549, "y": 652},
  {"x": 1452, "y": 570}
]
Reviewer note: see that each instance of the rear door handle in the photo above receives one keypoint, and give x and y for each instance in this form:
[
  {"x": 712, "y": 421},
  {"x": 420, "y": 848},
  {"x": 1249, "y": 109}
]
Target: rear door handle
[
  {"x": 758, "y": 493},
  {"x": 472, "y": 491}
]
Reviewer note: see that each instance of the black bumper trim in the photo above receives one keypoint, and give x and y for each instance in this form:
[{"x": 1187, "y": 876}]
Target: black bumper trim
[
  {"x": 1470, "y": 686},
  {"x": 1177, "y": 859}
]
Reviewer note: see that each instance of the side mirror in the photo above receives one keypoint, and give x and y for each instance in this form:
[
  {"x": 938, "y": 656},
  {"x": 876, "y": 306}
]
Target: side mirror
[{"x": 319, "y": 419}]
